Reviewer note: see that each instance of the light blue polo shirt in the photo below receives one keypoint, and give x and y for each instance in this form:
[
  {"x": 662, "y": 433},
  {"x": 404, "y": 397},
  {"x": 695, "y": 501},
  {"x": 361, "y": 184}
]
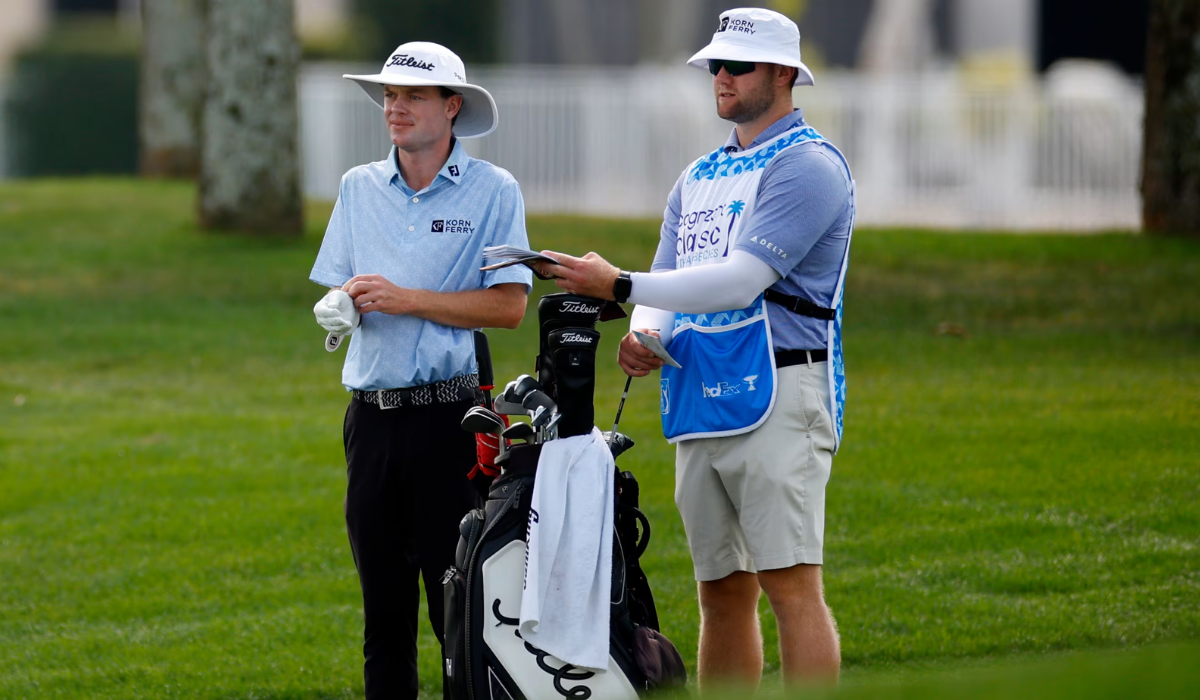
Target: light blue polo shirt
[
  {"x": 432, "y": 239},
  {"x": 805, "y": 208}
]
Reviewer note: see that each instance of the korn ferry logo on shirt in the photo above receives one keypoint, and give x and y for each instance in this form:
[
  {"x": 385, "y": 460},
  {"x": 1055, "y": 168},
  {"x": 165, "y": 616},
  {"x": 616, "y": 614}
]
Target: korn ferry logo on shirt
[{"x": 452, "y": 226}]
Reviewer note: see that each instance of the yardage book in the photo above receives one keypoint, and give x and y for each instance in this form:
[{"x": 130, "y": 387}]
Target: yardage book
[{"x": 498, "y": 256}]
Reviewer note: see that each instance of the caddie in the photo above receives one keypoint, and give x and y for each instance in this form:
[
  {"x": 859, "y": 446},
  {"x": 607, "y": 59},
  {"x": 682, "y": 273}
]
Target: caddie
[
  {"x": 405, "y": 244},
  {"x": 750, "y": 268}
]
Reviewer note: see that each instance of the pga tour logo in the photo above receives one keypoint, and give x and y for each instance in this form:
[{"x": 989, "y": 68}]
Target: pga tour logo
[
  {"x": 723, "y": 389},
  {"x": 664, "y": 396},
  {"x": 578, "y": 307}
]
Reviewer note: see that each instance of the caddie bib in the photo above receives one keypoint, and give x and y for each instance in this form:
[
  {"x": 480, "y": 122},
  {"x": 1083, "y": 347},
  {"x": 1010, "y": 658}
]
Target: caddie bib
[{"x": 726, "y": 383}]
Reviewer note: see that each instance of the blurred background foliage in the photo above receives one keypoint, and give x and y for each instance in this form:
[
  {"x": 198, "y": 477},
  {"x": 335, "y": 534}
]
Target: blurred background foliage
[
  {"x": 71, "y": 106},
  {"x": 467, "y": 25}
]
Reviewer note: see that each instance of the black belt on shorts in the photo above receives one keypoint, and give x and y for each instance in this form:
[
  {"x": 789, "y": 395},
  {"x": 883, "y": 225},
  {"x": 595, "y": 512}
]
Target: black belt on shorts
[
  {"x": 787, "y": 358},
  {"x": 462, "y": 388}
]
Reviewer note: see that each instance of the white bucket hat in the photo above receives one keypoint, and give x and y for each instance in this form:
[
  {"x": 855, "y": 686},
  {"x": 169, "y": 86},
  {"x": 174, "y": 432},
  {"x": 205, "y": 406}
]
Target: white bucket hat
[
  {"x": 756, "y": 35},
  {"x": 426, "y": 63}
]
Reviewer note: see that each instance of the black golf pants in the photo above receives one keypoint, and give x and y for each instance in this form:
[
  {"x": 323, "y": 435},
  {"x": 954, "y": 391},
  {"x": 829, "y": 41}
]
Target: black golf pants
[{"x": 407, "y": 492}]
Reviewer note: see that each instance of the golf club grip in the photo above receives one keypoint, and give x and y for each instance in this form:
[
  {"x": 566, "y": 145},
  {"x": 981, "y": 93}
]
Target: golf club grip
[{"x": 483, "y": 357}]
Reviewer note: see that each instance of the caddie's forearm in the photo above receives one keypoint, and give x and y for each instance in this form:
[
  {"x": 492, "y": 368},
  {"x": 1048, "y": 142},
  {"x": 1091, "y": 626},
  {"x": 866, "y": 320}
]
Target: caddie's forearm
[
  {"x": 701, "y": 290},
  {"x": 501, "y": 306}
]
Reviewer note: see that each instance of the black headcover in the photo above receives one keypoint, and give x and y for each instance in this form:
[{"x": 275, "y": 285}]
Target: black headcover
[{"x": 572, "y": 356}]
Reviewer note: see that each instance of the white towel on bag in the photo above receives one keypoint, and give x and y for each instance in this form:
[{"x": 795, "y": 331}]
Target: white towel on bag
[{"x": 568, "y": 568}]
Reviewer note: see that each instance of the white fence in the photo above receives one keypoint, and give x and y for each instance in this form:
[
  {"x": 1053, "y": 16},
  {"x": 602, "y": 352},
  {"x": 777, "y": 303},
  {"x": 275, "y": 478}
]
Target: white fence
[{"x": 927, "y": 151}]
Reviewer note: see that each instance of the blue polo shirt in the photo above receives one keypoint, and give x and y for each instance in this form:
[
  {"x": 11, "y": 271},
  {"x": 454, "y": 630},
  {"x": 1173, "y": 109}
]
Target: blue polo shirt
[
  {"x": 432, "y": 239},
  {"x": 805, "y": 207}
]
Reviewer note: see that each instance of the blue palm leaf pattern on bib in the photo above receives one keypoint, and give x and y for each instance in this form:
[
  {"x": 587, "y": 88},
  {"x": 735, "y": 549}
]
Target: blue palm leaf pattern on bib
[{"x": 721, "y": 164}]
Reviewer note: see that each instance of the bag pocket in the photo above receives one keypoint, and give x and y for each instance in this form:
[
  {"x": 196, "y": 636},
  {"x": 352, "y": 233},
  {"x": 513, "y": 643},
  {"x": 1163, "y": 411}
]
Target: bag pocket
[
  {"x": 658, "y": 660},
  {"x": 454, "y": 662}
]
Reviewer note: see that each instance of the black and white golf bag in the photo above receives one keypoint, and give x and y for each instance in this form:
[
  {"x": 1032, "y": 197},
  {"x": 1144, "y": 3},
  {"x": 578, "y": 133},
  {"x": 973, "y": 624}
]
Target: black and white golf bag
[{"x": 485, "y": 656}]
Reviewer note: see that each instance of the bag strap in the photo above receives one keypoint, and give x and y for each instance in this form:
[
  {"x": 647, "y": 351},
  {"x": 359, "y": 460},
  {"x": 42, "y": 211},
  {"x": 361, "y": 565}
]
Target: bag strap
[{"x": 800, "y": 306}]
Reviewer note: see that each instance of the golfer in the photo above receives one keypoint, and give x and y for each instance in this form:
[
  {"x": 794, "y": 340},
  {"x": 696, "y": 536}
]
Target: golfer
[
  {"x": 405, "y": 243},
  {"x": 745, "y": 290}
]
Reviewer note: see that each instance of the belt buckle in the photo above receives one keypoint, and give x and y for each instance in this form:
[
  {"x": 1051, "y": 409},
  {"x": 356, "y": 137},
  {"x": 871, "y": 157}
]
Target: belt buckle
[{"x": 379, "y": 400}]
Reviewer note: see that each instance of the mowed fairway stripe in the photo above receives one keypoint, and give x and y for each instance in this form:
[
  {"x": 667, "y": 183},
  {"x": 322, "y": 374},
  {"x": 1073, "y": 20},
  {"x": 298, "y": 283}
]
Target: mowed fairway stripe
[{"x": 1019, "y": 474}]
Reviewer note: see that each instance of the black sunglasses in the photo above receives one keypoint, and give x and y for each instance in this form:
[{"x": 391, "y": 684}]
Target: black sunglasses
[{"x": 734, "y": 67}]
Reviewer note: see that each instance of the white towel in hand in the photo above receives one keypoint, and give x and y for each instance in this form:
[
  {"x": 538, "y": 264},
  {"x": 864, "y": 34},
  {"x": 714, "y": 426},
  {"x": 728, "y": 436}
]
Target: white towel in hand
[{"x": 568, "y": 570}]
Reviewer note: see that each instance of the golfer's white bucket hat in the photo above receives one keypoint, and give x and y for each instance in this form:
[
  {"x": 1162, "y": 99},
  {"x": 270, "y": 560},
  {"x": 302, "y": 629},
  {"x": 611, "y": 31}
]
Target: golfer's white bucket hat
[
  {"x": 757, "y": 35},
  {"x": 426, "y": 63}
]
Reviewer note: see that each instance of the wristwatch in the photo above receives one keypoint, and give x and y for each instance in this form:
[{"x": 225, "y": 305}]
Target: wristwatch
[{"x": 622, "y": 287}]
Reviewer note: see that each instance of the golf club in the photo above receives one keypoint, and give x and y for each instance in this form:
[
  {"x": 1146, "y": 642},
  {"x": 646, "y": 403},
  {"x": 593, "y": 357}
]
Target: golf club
[
  {"x": 620, "y": 407},
  {"x": 540, "y": 406},
  {"x": 481, "y": 420},
  {"x": 519, "y": 431}
]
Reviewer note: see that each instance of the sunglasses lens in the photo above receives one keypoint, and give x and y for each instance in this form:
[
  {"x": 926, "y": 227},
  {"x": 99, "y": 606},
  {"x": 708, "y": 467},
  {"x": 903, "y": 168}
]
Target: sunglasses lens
[{"x": 734, "y": 67}]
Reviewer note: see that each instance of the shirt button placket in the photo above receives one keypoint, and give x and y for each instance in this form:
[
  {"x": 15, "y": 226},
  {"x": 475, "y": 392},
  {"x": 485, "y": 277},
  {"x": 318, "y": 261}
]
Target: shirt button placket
[{"x": 415, "y": 200}]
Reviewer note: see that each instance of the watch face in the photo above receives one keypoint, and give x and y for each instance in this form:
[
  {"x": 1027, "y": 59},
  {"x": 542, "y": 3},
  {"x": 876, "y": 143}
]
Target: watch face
[{"x": 623, "y": 287}]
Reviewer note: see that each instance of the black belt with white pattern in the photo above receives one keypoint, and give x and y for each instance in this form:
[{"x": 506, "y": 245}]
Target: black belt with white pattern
[{"x": 464, "y": 388}]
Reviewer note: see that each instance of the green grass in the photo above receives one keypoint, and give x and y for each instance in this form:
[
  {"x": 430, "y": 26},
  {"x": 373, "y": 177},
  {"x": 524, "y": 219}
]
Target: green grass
[{"x": 1022, "y": 485}]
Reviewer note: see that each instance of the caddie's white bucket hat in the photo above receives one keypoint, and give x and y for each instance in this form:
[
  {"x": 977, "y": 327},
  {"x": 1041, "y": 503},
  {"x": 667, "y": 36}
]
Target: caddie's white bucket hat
[
  {"x": 756, "y": 35},
  {"x": 426, "y": 63}
]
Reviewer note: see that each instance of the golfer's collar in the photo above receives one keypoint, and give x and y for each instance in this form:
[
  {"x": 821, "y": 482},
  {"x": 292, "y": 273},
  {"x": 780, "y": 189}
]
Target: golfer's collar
[
  {"x": 790, "y": 121},
  {"x": 453, "y": 169},
  {"x": 456, "y": 164}
]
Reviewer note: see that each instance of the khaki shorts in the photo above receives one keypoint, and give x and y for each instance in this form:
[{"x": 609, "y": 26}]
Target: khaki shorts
[{"x": 757, "y": 500}]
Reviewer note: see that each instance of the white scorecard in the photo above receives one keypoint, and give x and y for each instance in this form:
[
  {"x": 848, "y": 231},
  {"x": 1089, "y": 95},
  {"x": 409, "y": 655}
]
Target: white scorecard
[{"x": 655, "y": 346}]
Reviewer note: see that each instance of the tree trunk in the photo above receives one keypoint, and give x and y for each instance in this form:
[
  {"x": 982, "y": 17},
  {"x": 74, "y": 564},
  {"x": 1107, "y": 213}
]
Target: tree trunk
[
  {"x": 172, "y": 87},
  {"x": 1171, "y": 154},
  {"x": 250, "y": 161},
  {"x": 898, "y": 37}
]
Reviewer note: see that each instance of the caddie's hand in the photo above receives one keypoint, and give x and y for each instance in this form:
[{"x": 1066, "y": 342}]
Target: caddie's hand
[
  {"x": 591, "y": 275},
  {"x": 635, "y": 359},
  {"x": 376, "y": 293},
  {"x": 335, "y": 313}
]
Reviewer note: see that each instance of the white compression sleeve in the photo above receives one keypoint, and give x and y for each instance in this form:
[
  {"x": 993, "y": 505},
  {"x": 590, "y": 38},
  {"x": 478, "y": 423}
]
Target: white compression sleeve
[
  {"x": 701, "y": 290},
  {"x": 654, "y": 319}
]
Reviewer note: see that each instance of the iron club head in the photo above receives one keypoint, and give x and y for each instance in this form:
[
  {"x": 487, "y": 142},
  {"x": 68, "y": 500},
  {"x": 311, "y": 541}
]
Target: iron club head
[{"x": 481, "y": 420}]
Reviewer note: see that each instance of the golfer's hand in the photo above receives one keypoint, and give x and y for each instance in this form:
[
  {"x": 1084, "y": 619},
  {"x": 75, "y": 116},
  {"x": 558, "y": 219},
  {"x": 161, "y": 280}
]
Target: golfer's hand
[
  {"x": 376, "y": 293},
  {"x": 635, "y": 359},
  {"x": 335, "y": 313},
  {"x": 591, "y": 275}
]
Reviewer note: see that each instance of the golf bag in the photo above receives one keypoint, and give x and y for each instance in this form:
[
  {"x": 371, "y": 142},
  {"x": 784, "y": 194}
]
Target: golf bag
[{"x": 485, "y": 657}]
